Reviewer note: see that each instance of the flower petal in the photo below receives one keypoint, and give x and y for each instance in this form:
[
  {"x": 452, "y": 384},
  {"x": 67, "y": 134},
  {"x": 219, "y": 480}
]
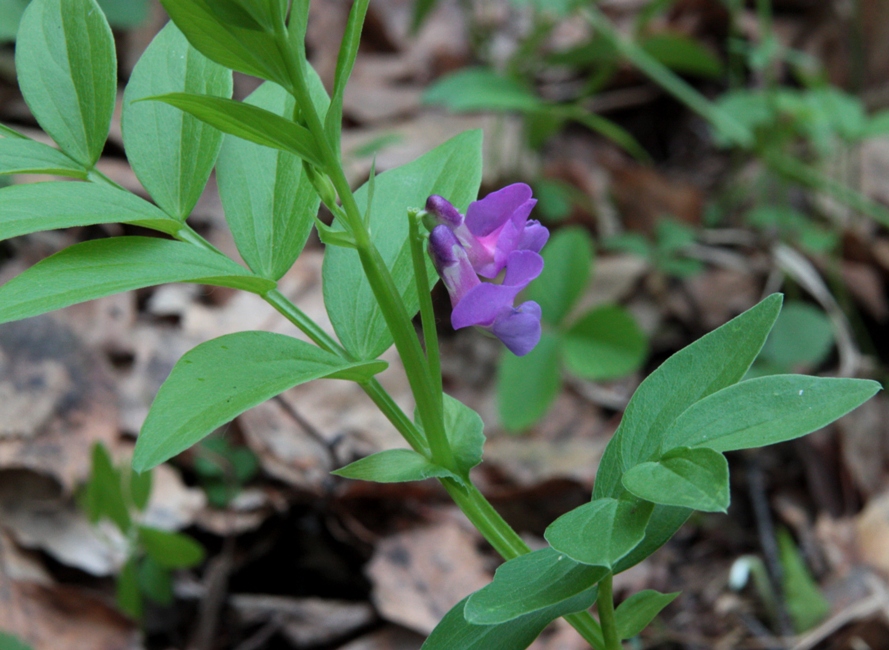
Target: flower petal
[
  {"x": 481, "y": 305},
  {"x": 534, "y": 236},
  {"x": 490, "y": 213},
  {"x": 452, "y": 263},
  {"x": 521, "y": 268},
  {"x": 519, "y": 327},
  {"x": 443, "y": 211}
]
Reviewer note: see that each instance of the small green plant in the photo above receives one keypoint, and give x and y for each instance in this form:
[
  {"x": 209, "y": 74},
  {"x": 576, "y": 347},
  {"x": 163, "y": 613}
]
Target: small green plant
[
  {"x": 223, "y": 469},
  {"x": 120, "y": 495},
  {"x": 600, "y": 344},
  {"x": 10, "y": 642},
  {"x": 666, "y": 252},
  {"x": 806, "y": 605}
]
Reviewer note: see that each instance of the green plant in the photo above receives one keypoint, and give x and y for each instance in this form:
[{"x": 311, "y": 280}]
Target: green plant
[
  {"x": 602, "y": 343},
  {"x": 223, "y": 469},
  {"x": 120, "y": 495},
  {"x": 666, "y": 251},
  {"x": 280, "y": 160}
]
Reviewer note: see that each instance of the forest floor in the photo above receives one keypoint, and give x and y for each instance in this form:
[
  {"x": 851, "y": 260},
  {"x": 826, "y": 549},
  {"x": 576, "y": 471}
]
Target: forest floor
[{"x": 298, "y": 558}]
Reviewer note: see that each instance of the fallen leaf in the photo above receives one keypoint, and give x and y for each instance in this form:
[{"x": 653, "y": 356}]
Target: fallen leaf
[
  {"x": 304, "y": 621},
  {"x": 420, "y": 574}
]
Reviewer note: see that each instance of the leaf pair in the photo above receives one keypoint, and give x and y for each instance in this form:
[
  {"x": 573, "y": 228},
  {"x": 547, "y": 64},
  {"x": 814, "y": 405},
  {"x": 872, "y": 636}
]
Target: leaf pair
[{"x": 603, "y": 343}]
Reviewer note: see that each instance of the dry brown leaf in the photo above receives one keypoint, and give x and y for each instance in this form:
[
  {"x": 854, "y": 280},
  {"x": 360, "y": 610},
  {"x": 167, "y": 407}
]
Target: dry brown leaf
[
  {"x": 304, "y": 621},
  {"x": 864, "y": 441},
  {"x": 873, "y": 533},
  {"x": 56, "y": 398},
  {"x": 389, "y": 638},
  {"x": 56, "y": 617},
  {"x": 420, "y": 574}
]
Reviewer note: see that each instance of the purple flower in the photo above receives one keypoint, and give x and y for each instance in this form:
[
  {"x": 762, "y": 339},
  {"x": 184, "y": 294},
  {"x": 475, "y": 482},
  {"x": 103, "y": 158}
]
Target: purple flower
[
  {"x": 494, "y": 226},
  {"x": 495, "y": 235}
]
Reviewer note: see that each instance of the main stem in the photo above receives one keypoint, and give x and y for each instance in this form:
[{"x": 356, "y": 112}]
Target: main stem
[
  {"x": 605, "y": 605},
  {"x": 479, "y": 511}
]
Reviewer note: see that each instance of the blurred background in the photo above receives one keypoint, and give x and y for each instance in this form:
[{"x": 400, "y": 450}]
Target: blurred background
[{"x": 689, "y": 158}]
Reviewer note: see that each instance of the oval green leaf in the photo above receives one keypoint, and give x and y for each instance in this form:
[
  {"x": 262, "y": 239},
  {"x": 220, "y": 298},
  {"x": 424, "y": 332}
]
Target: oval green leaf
[
  {"x": 600, "y": 532},
  {"x": 22, "y": 156},
  {"x": 238, "y": 45},
  {"x": 636, "y": 612},
  {"x": 528, "y": 385},
  {"x": 170, "y": 550},
  {"x": 568, "y": 262},
  {"x": 605, "y": 343},
  {"x": 393, "y": 466},
  {"x": 102, "y": 267},
  {"x": 249, "y": 122},
  {"x": 454, "y": 631},
  {"x": 767, "y": 410},
  {"x": 531, "y": 583},
  {"x": 67, "y": 71},
  {"x": 172, "y": 153},
  {"x": 220, "y": 379},
  {"x": 683, "y": 477},
  {"x": 269, "y": 203},
  {"x": 45, "y": 206}
]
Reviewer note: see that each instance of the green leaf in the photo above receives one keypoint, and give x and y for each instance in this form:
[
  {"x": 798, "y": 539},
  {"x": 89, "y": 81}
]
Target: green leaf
[
  {"x": 767, "y": 410},
  {"x": 220, "y": 379},
  {"x": 155, "y": 581},
  {"x": 636, "y": 612},
  {"x": 269, "y": 203},
  {"x": 481, "y": 89},
  {"x": 683, "y": 477},
  {"x": 45, "y": 206},
  {"x": 528, "y": 385},
  {"x": 393, "y": 466},
  {"x": 10, "y": 14},
  {"x": 568, "y": 262},
  {"x": 683, "y": 54},
  {"x": 531, "y": 583},
  {"x": 452, "y": 170},
  {"x": 605, "y": 343},
  {"x": 600, "y": 532},
  {"x": 333, "y": 121},
  {"x": 8, "y": 641},
  {"x": 170, "y": 550},
  {"x": 421, "y": 10},
  {"x": 802, "y": 336},
  {"x": 125, "y": 13},
  {"x": 248, "y": 122},
  {"x": 102, "y": 267},
  {"x": 104, "y": 496},
  {"x": 140, "y": 488},
  {"x": 719, "y": 359},
  {"x": 129, "y": 599},
  {"x": 465, "y": 431},
  {"x": 454, "y": 631},
  {"x": 806, "y": 604},
  {"x": 20, "y": 156},
  {"x": 237, "y": 46},
  {"x": 67, "y": 71},
  {"x": 172, "y": 153}
]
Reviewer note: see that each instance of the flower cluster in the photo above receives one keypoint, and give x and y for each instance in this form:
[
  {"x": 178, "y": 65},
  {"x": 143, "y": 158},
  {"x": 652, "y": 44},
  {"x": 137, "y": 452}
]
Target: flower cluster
[{"x": 495, "y": 237}]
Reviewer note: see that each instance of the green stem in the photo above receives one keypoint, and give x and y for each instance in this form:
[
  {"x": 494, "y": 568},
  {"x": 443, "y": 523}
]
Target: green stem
[
  {"x": 424, "y": 293},
  {"x": 470, "y": 500},
  {"x": 605, "y": 606},
  {"x": 380, "y": 280}
]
